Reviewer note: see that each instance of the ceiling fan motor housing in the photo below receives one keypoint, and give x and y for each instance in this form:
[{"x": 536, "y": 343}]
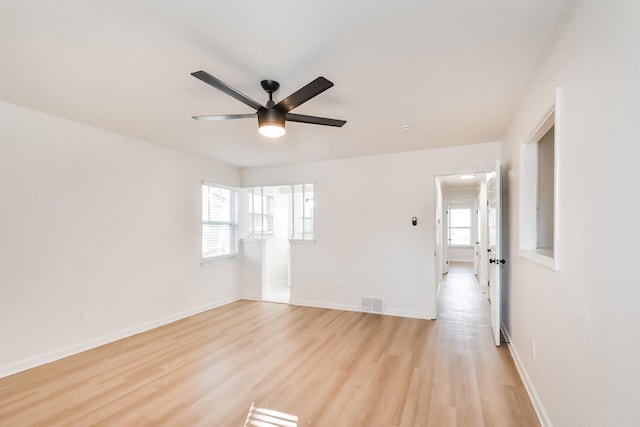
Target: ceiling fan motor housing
[{"x": 270, "y": 117}]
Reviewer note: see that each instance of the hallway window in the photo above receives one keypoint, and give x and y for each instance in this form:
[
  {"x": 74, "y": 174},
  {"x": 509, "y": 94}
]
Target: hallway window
[
  {"x": 460, "y": 226},
  {"x": 219, "y": 222}
]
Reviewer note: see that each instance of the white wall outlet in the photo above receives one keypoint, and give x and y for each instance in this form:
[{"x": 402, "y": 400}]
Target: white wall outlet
[{"x": 81, "y": 317}]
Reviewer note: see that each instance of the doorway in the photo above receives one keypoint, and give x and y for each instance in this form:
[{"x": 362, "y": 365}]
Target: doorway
[
  {"x": 276, "y": 285},
  {"x": 278, "y": 215},
  {"x": 461, "y": 226},
  {"x": 469, "y": 217}
]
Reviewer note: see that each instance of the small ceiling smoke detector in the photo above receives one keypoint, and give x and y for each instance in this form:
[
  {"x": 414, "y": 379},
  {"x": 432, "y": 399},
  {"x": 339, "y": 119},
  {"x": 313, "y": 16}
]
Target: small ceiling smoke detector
[
  {"x": 467, "y": 176},
  {"x": 405, "y": 128}
]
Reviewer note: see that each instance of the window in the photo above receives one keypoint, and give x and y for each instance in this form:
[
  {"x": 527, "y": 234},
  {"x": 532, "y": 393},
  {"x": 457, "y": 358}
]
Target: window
[
  {"x": 260, "y": 212},
  {"x": 462, "y": 221},
  {"x": 538, "y": 194},
  {"x": 219, "y": 222},
  {"x": 460, "y": 226},
  {"x": 303, "y": 204},
  {"x": 286, "y": 210}
]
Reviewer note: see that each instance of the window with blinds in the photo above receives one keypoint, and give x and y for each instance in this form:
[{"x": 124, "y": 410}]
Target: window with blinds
[
  {"x": 460, "y": 226},
  {"x": 219, "y": 222},
  {"x": 462, "y": 222}
]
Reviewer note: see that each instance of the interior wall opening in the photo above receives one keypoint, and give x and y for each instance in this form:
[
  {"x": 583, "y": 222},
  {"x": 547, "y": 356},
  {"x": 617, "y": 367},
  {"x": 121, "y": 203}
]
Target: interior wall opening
[
  {"x": 276, "y": 280},
  {"x": 277, "y": 216},
  {"x": 462, "y": 227}
]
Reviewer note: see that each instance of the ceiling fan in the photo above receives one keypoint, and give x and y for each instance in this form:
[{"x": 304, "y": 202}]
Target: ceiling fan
[{"x": 272, "y": 116}]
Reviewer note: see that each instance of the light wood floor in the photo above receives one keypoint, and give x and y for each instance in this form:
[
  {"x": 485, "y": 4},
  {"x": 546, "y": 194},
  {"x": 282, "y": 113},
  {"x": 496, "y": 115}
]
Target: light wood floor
[{"x": 328, "y": 367}]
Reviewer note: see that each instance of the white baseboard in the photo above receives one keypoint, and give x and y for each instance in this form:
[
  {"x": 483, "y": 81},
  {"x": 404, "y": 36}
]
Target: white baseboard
[
  {"x": 52, "y": 356},
  {"x": 404, "y": 313},
  {"x": 346, "y": 307},
  {"x": 280, "y": 284},
  {"x": 323, "y": 304},
  {"x": 543, "y": 417}
]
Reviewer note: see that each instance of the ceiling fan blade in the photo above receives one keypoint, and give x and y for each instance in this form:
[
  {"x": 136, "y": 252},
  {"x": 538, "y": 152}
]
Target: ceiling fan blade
[
  {"x": 222, "y": 86},
  {"x": 226, "y": 117},
  {"x": 304, "y": 94},
  {"x": 301, "y": 118}
]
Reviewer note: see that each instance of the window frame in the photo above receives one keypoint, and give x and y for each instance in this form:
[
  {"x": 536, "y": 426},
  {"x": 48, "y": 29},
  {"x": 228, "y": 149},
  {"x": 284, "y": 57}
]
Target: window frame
[
  {"x": 266, "y": 213},
  {"x": 232, "y": 223},
  {"x": 462, "y": 204},
  {"x": 303, "y": 226},
  {"x": 301, "y": 215},
  {"x": 529, "y": 190}
]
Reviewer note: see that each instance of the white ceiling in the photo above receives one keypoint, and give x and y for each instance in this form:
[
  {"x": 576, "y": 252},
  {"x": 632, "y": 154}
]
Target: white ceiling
[
  {"x": 455, "y": 182},
  {"x": 453, "y": 70}
]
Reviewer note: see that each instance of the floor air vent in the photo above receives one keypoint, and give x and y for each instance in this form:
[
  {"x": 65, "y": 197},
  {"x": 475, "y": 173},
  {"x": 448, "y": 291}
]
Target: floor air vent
[
  {"x": 376, "y": 305},
  {"x": 371, "y": 305}
]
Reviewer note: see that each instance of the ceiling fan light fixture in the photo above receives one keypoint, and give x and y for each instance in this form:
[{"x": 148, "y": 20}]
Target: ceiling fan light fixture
[
  {"x": 272, "y": 131},
  {"x": 271, "y": 123},
  {"x": 272, "y": 116}
]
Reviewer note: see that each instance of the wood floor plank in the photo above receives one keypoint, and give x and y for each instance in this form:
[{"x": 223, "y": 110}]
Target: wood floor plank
[{"x": 327, "y": 367}]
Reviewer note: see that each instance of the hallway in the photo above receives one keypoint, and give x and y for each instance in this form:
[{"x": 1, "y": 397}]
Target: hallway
[
  {"x": 461, "y": 297},
  {"x": 476, "y": 383}
]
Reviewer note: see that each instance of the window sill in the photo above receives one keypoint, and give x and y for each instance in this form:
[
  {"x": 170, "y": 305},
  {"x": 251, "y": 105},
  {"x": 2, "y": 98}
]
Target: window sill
[
  {"x": 255, "y": 239},
  {"x": 218, "y": 260},
  {"x": 302, "y": 241},
  {"x": 544, "y": 257}
]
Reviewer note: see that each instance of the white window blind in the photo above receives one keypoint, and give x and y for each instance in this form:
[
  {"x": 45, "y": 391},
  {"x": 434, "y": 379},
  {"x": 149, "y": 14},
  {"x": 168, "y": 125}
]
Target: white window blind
[
  {"x": 219, "y": 222},
  {"x": 460, "y": 226}
]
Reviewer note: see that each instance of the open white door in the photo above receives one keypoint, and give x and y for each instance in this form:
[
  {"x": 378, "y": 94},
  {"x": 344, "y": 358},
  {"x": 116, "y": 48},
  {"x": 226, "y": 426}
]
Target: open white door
[{"x": 495, "y": 251}]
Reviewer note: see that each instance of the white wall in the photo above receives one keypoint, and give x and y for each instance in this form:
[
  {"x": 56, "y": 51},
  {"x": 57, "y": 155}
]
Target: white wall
[
  {"x": 365, "y": 243},
  {"x": 97, "y": 223},
  {"x": 252, "y": 270},
  {"x": 460, "y": 193},
  {"x": 584, "y": 318}
]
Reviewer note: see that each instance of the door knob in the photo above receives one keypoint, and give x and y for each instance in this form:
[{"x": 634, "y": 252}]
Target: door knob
[{"x": 491, "y": 260}]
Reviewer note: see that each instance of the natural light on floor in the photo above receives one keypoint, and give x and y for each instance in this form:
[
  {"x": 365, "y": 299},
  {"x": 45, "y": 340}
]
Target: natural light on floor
[{"x": 263, "y": 417}]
